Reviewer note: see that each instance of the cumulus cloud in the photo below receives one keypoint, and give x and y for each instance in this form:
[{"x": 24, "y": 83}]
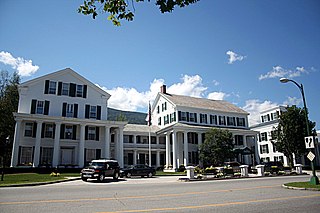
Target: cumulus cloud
[
  {"x": 279, "y": 72},
  {"x": 23, "y": 66},
  {"x": 234, "y": 57},
  {"x": 254, "y": 107},
  {"x": 191, "y": 86},
  {"x": 217, "y": 95},
  {"x": 292, "y": 101},
  {"x": 215, "y": 82}
]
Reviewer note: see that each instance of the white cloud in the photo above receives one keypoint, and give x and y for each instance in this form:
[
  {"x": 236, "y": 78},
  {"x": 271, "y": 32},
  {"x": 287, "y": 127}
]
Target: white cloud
[
  {"x": 191, "y": 86},
  {"x": 279, "y": 72},
  {"x": 217, "y": 95},
  {"x": 24, "y": 67},
  {"x": 215, "y": 82},
  {"x": 292, "y": 101},
  {"x": 254, "y": 107},
  {"x": 234, "y": 57}
]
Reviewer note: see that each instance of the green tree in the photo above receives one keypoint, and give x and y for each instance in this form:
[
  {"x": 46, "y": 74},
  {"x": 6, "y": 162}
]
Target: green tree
[
  {"x": 289, "y": 135},
  {"x": 217, "y": 147},
  {"x": 9, "y": 99},
  {"x": 123, "y": 9},
  {"x": 121, "y": 117}
]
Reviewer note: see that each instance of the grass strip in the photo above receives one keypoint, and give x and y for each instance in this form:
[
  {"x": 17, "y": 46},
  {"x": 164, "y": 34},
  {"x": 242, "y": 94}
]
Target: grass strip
[{"x": 303, "y": 185}]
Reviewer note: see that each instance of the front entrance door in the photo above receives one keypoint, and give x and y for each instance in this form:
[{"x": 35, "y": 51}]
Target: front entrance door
[{"x": 67, "y": 156}]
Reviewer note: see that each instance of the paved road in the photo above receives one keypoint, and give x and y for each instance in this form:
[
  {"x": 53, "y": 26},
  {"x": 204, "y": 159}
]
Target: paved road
[{"x": 162, "y": 194}]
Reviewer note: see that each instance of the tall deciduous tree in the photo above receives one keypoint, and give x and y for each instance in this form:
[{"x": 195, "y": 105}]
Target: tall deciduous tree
[
  {"x": 9, "y": 99},
  {"x": 289, "y": 135},
  {"x": 124, "y": 9},
  {"x": 217, "y": 147}
]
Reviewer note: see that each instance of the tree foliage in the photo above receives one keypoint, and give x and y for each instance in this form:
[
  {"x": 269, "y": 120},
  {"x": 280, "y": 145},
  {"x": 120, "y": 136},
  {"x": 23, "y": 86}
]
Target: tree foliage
[
  {"x": 289, "y": 135},
  {"x": 217, "y": 147},
  {"x": 9, "y": 99},
  {"x": 123, "y": 9}
]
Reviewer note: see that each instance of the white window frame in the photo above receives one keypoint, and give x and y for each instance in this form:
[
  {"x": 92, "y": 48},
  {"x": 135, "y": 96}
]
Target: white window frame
[
  {"x": 93, "y": 112},
  {"x": 79, "y": 90},
  {"x": 70, "y": 110},
  {"x": 52, "y": 87},
  {"x": 183, "y": 116},
  {"x": 28, "y": 129},
  {"x": 68, "y": 132},
  {"x": 26, "y": 155},
  {"x": 65, "y": 89},
  {"x": 91, "y": 133},
  {"x": 40, "y": 107},
  {"x": 48, "y": 130},
  {"x": 192, "y": 117}
]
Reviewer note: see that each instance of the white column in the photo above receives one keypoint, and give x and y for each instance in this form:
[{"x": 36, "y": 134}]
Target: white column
[
  {"x": 199, "y": 144},
  {"x": 106, "y": 142},
  {"x": 185, "y": 149},
  {"x": 56, "y": 145},
  {"x": 168, "y": 150},
  {"x": 134, "y": 156},
  {"x": 81, "y": 145},
  {"x": 158, "y": 159},
  {"x": 120, "y": 160},
  {"x": 134, "y": 139},
  {"x": 15, "y": 149},
  {"x": 36, "y": 155},
  {"x": 174, "y": 150}
]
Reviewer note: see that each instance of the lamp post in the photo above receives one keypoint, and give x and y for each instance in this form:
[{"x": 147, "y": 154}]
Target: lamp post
[
  {"x": 6, "y": 142},
  {"x": 314, "y": 179}
]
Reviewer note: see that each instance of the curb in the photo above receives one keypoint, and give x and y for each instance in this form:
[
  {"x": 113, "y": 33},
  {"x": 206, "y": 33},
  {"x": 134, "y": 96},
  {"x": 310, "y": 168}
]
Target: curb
[
  {"x": 41, "y": 183},
  {"x": 298, "y": 188}
]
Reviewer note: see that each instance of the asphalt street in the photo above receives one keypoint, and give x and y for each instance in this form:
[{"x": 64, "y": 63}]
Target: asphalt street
[{"x": 162, "y": 194}]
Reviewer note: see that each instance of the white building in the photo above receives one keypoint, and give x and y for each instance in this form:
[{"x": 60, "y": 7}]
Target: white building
[{"x": 62, "y": 121}]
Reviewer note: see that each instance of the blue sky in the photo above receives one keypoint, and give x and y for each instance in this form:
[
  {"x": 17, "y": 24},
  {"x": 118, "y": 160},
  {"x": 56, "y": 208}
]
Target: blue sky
[{"x": 219, "y": 49}]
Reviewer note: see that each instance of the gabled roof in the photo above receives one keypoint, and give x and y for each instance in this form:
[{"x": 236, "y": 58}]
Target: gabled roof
[
  {"x": 61, "y": 73},
  {"x": 203, "y": 103}
]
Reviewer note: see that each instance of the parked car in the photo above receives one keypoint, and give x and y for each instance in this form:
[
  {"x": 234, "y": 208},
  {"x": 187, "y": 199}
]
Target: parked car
[
  {"x": 99, "y": 169},
  {"x": 272, "y": 166},
  {"x": 138, "y": 170},
  {"x": 234, "y": 165}
]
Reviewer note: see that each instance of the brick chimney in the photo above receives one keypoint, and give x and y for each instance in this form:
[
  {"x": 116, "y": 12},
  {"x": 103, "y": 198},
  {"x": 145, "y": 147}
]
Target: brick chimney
[{"x": 163, "y": 89}]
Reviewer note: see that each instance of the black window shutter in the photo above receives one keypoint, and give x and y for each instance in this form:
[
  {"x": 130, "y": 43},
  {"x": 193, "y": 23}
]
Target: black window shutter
[
  {"x": 42, "y": 130},
  {"x": 201, "y": 121},
  {"x": 195, "y": 116},
  {"x": 87, "y": 109},
  {"x": 98, "y": 154},
  {"x": 59, "y": 87},
  {"x": 74, "y": 132},
  {"x": 64, "y": 109},
  {"x": 188, "y": 117},
  {"x": 19, "y": 155},
  {"x": 72, "y": 90},
  {"x": 46, "y": 87},
  {"x": 98, "y": 112},
  {"x": 84, "y": 95},
  {"x": 85, "y": 157},
  {"x": 86, "y": 133},
  {"x": 97, "y": 133},
  {"x": 63, "y": 127},
  {"x": 34, "y": 132},
  {"x": 54, "y": 131},
  {"x": 33, "y": 106},
  {"x": 46, "y": 107},
  {"x": 179, "y": 115},
  {"x": 75, "y": 110}
]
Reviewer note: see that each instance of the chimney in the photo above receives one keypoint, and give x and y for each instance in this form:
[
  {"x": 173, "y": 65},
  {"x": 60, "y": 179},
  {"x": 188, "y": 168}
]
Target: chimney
[{"x": 163, "y": 89}]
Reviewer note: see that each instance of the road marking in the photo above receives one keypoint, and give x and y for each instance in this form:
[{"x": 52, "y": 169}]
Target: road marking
[
  {"x": 214, "y": 205},
  {"x": 135, "y": 197}
]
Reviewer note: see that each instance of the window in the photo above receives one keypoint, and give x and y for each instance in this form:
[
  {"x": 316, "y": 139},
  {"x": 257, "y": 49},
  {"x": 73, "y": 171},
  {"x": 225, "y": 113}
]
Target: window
[
  {"x": 91, "y": 133},
  {"x": 79, "y": 92},
  {"x": 264, "y": 136},
  {"x": 241, "y": 122},
  {"x": 265, "y": 118},
  {"x": 65, "y": 89},
  {"x": 48, "y": 131},
  {"x": 192, "y": 138},
  {"x": 222, "y": 120},
  {"x": 231, "y": 121},
  {"x": 40, "y": 107},
  {"x": 193, "y": 117},
  {"x": 172, "y": 117},
  {"x": 26, "y": 155},
  {"x": 158, "y": 109},
  {"x": 159, "y": 121},
  {"x": 46, "y": 156},
  {"x": 68, "y": 132},
  {"x": 264, "y": 149},
  {"x": 93, "y": 111},
  {"x": 203, "y": 118},
  {"x": 52, "y": 87},
  {"x": 213, "y": 119},
  {"x": 164, "y": 106},
  {"x": 183, "y": 116},
  {"x": 69, "y": 111},
  {"x": 238, "y": 139},
  {"x": 28, "y": 129},
  {"x": 165, "y": 119}
]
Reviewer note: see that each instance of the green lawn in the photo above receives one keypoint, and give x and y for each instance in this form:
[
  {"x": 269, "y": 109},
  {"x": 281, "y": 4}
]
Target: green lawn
[
  {"x": 24, "y": 178},
  {"x": 161, "y": 173},
  {"x": 302, "y": 185}
]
